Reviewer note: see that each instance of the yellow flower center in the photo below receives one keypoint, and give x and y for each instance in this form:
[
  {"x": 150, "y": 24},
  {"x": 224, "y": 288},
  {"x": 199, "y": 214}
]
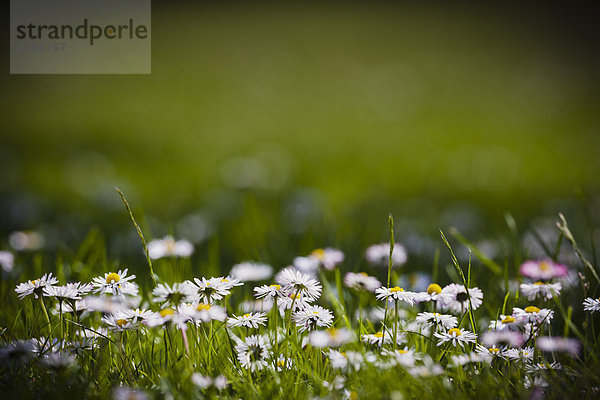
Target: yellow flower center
[
  {"x": 532, "y": 309},
  {"x": 113, "y": 278},
  {"x": 454, "y": 332},
  {"x": 401, "y": 351},
  {"x": 332, "y": 332},
  {"x": 494, "y": 350},
  {"x": 203, "y": 306},
  {"x": 508, "y": 320},
  {"x": 319, "y": 253},
  {"x": 280, "y": 363},
  {"x": 436, "y": 314},
  {"x": 363, "y": 274},
  {"x": 434, "y": 288},
  {"x": 276, "y": 287},
  {"x": 544, "y": 266},
  {"x": 396, "y": 289},
  {"x": 343, "y": 354},
  {"x": 246, "y": 315},
  {"x": 34, "y": 282},
  {"x": 378, "y": 334},
  {"x": 166, "y": 311},
  {"x": 538, "y": 283},
  {"x": 121, "y": 322},
  {"x": 224, "y": 280}
]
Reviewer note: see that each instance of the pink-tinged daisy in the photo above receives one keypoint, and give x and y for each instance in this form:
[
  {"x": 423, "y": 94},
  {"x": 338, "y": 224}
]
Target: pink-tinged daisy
[
  {"x": 503, "y": 337},
  {"x": 361, "y": 281},
  {"x": 395, "y": 293},
  {"x": 379, "y": 255},
  {"x": 312, "y": 317},
  {"x": 543, "y": 270},
  {"x": 592, "y": 305},
  {"x": 533, "y": 314},
  {"x": 542, "y": 290},
  {"x": 169, "y": 247},
  {"x": 116, "y": 283},
  {"x": 248, "y": 320},
  {"x": 456, "y": 336},
  {"x": 558, "y": 344},
  {"x": 456, "y": 299},
  {"x": 35, "y": 287}
]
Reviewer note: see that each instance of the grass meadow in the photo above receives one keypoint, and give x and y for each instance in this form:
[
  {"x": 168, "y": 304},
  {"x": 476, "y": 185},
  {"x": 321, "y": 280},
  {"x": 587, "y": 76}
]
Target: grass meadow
[{"x": 337, "y": 201}]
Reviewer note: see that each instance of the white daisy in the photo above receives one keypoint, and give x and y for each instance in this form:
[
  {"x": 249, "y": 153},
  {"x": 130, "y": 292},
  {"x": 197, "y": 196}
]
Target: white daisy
[
  {"x": 210, "y": 290},
  {"x": 116, "y": 283},
  {"x": 395, "y": 293},
  {"x": 542, "y": 366},
  {"x": 456, "y": 299},
  {"x": 269, "y": 291},
  {"x": 254, "y": 352},
  {"x": 559, "y": 344},
  {"x": 405, "y": 357},
  {"x": 378, "y": 339},
  {"x": 256, "y": 306},
  {"x": 118, "y": 323},
  {"x": 169, "y": 247},
  {"x": 251, "y": 271},
  {"x": 298, "y": 302},
  {"x": 533, "y": 314},
  {"x": 492, "y": 351},
  {"x": 26, "y": 240},
  {"x": 427, "y": 369},
  {"x": 35, "y": 287},
  {"x": 62, "y": 293},
  {"x": 592, "y": 305},
  {"x": 57, "y": 360},
  {"x": 461, "y": 360},
  {"x": 249, "y": 320},
  {"x": 328, "y": 257},
  {"x": 7, "y": 261},
  {"x": 361, "y": 281},
  {"x": 545, "y": 291},
  {"x": 300, "y": 284},
  {"x": 506, "y": 322},
  {"x": 172, "y": 296},
  {"x": 330, "y": 337},
  {"x": 379, "y": 254},
  {"x": 125, "y": 393},
  {"x": 524, "y": 354},
  {"x": 429, "y": 320},
  {"x": 456, "y": 336},
  {"x": 312, "y": 317},
  {"x": 208, "y": 312}
]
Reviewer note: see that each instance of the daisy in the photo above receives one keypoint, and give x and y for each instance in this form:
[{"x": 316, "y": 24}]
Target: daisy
[
  {"x": 7, "y": 261},
  {"x": 456, "y": 336},
  {"x": 136, "y": 315},
  {"x": 57, "y": 360},
  {"x": 492, "y": 351},
  {"x": 456, "y": 298},
  {"x": 297, "y": 302},
  {"x": 78, "y": 308},
  {"x": 405, "y": 357},
  {"x": 26, "y": 240},
  {"x": 506, "y": 322},
  {"x": 256, "y": 306},
  {"x": 533, "y": 314},
  {"x": 429, "y": 368},
  {"x": 379, "y": 254},
  {"x": 300, "y": 284},
  {"x": 378, "y": 339},
  {"x": 361, "y": 281},
  {"x": 254, "y": 352},
  {"x": 169, "y": 247},
  {"x": 461, "y": 360},
  {"x": 249, "y": 320},
  {"x": 330, "y": 337},
  {"x": 545, "y": 291},
  {"x": 116, "y": 283},
  {"x": 208, "y": 312},
  {"x": 107, "y": 304},
  {"x": 337, "y": 359},
  {"x": 328, "y": 257},
  {"x": 542, "y": 366},
  {"x": 227, "y": 283},
  {"x": 35, "y": 287},
  {"x": 592, "y": 305},
  {"x": 117, "y": 322},
  {"x": 543, "y": 270},
  {"x": 524, "y": 354},
  {"x": 173, "y": 295},
  {"x": 205, "y": 381},
  {"x": 503, "y": 337},
  {"x": 251, "y": 271},
  {"x": 312, "y": 317},
  {"x": 125, "y": 393},
  {"x": 209, "y": 290},
  {"x": 558, "y": 344},
  {"x": 269, "y": 291},
  {"x": 395, "y": 293},
  {"x": 62, "y": 293},
  {"x": 429, "y": 320}
]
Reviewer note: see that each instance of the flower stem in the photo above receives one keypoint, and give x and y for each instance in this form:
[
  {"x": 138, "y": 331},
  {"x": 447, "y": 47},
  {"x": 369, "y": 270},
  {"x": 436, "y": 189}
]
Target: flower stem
[{"x": 45, "y": 314}]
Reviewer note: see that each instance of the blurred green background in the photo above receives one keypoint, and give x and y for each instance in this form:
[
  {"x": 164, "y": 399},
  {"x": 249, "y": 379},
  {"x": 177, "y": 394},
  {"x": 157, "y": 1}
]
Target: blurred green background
[{"x": 280, "y": 128}]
